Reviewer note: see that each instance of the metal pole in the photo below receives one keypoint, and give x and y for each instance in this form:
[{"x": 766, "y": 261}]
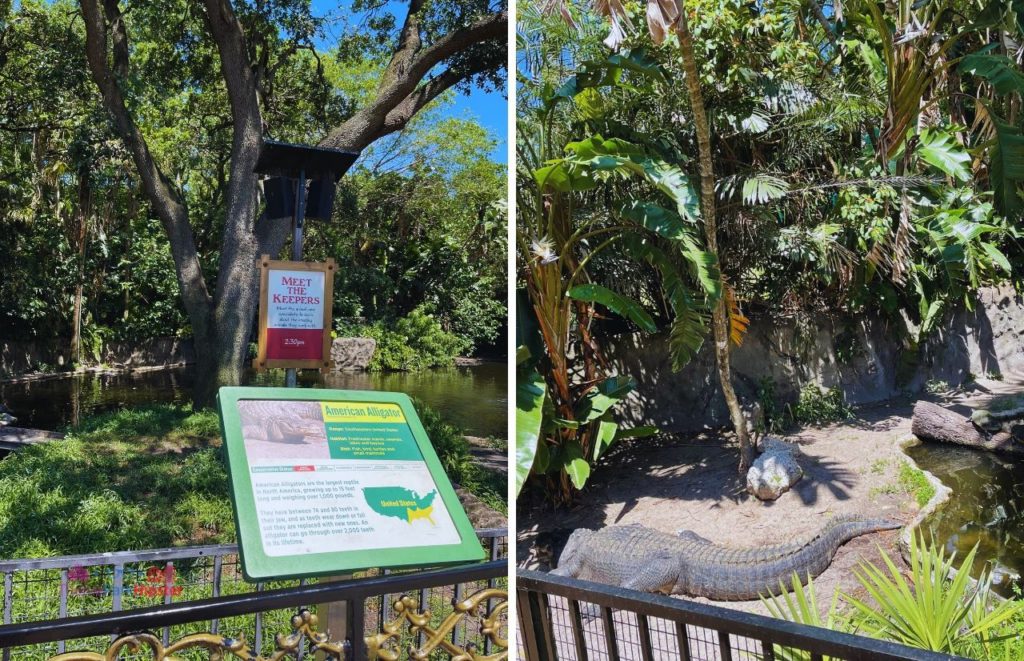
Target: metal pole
[{"x": 290, "y": 374}]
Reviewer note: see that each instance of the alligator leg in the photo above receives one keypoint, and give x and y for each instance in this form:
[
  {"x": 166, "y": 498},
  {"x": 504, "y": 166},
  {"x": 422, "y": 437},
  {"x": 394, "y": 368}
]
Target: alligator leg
[{"x": 657, "y": 574}]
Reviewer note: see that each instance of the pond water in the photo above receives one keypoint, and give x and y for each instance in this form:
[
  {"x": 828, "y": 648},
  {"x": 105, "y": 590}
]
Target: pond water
[
  {"x": 986, "y": 507},
  {"x": 473, "y": 398}
]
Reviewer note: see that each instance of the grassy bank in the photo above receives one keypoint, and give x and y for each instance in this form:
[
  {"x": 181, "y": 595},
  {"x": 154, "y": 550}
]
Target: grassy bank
[{"x": 148, "y": 478}]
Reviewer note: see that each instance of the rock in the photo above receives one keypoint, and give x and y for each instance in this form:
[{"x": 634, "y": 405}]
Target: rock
[
  {"x": 772, "y": 444},
  {"x": 352, "y": 354},
  {"x": 6, "y": 417},
  {"x": 773, "y": 473},
  {"x": 1017, "y": 432}
]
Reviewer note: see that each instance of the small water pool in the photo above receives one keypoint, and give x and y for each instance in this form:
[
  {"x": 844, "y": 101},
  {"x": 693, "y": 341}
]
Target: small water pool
[
  {"x": 986, "y": 507},
  {"x": 473, "y": 398}
]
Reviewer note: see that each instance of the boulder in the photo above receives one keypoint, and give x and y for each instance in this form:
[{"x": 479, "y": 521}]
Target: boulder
[
  {"x": 775, "y": 471},
  {"x": 352, "y": 354}
]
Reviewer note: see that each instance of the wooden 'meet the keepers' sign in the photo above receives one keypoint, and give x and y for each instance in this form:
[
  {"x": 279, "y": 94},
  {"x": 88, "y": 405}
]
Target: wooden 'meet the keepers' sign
[{"x": 295, "y": 314}]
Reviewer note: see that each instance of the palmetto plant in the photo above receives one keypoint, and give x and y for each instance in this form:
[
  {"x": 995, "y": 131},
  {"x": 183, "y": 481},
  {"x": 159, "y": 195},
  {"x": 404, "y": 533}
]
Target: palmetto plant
[
  {"x": 798, "y": 602},
  {"x": 931, "y": 606},
  {"x": 927, "y": 608}
]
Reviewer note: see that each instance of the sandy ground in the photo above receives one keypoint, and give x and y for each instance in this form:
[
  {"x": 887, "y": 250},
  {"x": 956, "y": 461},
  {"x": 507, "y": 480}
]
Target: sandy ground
[{"x": 687, "y": 482}]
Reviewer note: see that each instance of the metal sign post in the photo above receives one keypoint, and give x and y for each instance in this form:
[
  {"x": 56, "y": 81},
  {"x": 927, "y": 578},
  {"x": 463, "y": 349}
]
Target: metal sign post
[
  {"x": 291, "y": 375},
  {"x": 297, "y": 162}
]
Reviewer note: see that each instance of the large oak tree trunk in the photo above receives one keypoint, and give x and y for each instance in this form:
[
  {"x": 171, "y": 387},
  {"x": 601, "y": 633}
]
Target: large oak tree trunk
[
  {"x": 719, "y": 316},
  {"x": 933, "y": 423}
]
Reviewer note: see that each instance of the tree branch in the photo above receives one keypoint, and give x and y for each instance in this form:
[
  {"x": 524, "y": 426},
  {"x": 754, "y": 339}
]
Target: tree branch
[
  {"x": 400, "y": 85},
  {"x": 165, "y": 200}
]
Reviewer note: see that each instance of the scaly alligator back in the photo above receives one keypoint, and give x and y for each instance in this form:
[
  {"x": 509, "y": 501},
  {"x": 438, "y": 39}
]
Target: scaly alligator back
[
  {"x": 640, "y": 558},
  {"x": 727, "y": 574}
]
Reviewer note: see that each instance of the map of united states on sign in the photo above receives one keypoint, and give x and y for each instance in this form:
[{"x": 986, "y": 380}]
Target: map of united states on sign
[{"x": 400, "y": 503}]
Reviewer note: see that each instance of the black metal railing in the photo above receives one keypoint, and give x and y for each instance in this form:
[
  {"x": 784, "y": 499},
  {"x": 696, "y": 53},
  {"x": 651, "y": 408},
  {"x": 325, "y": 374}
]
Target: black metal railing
[
  {"x": 562, "y": 618},
  {"x": 100, "y": 583},
  {"x": 355, "y": 593}
]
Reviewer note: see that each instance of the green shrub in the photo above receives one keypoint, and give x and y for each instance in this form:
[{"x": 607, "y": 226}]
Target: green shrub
[
  {"x": 817, "y": 407},
  {"x": 414, "y": 342}
]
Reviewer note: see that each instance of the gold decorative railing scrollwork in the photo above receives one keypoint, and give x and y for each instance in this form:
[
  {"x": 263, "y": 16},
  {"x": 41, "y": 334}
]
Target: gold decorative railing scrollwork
[
  {"x": 220, "y": 647},
  {"x": 304, "y": 625},
  {"x": 409, "y": 612}
]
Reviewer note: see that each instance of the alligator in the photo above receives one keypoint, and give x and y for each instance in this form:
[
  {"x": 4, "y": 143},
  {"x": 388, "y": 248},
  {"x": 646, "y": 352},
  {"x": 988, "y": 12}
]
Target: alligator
[{"x": 639, "y": 558}]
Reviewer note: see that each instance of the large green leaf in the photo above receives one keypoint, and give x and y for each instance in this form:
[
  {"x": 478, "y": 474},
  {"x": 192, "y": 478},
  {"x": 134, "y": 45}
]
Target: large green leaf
[
  {"x": 560, "y": 176},
  {"x": 617, "y": 303},
  {"x": 1007, "y": 167},
  {"x": 686, "y": 337},
  {"x": 941, "y": 149},
  {"x": 657, "y": 219},
  {"x": 1000, "y": 71},
  {"x": 623, "y": 158},
  {"x": 759, "y": 188},
  {"x": 604, "y": 438},
  {"x": 600, "y": 399},
  {"x": 530, "y": 393},
  {"x": 575, "y": 464}
]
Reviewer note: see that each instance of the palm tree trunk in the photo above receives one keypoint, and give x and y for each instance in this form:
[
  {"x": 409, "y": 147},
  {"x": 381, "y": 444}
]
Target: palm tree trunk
[{"x": 719, "y": 316}]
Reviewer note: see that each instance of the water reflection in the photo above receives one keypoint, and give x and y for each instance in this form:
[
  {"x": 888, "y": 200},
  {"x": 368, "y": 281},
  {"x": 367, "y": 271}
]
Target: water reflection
[
  {"x": 986, "y": 508},
  {"x": 473, "y": 398}
]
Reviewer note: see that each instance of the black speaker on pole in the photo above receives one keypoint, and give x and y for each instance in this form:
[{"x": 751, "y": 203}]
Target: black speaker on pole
[
  {"x": 320, "y": 201},
  {"x": 280, "y": 194}
]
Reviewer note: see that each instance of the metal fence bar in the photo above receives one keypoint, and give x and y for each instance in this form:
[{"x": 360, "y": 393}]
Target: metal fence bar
[
  {"x": 609, "y": 633},
  {"x": 421, "y": 639},
  {"x": 495, "y": 554},
  {"x": 819, "y": 642},
  {"x": 62, "y": 609},
  {"x": 684, "y": 641},
  {"x": 724, "y": 645},
  {"x": 457, "y": 629},
  {"x": 767, "y": 651},
  {"x": 8, "y": 598},
  {"x": 644, "y": 631},
  {"x": 218, "y": 568},
  {"x": 118, "y": 587},
  {"x": 529, "y": 625},
  {"x": 357, "y": 633},
  {"x": 258, "y": 644},
  {"x": 119, "y": 557},
  {"x": 152, "y": 556},
  {"x": 168, "y": 585},
  {"x": 577, "y": 630}
]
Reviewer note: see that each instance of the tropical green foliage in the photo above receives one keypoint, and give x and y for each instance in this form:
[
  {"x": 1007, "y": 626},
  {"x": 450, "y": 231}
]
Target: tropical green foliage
[
  {"x": 419, "y": 221},
  {"x": 929, "y": 606},
  {"x": 928, "y": 609},
  {"x": 865, "y": 163}
]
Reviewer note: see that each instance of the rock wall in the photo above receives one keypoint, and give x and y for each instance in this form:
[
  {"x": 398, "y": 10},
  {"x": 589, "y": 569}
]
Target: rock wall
[
  {"x": 18, "y": 357},
  {"x": 863, "y": 356}
]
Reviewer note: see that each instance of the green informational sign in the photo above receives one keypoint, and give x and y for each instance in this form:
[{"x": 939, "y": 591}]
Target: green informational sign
[{"x": 330, "y": 481}]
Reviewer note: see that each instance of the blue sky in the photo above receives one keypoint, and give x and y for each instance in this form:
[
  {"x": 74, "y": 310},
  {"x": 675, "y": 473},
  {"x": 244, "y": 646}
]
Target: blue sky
[{"x": 488, "y": 108}]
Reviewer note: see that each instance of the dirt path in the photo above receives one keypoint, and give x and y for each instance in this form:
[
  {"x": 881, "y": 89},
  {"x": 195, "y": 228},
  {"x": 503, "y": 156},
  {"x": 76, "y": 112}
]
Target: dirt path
[{"x": 685, "y": 482}]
